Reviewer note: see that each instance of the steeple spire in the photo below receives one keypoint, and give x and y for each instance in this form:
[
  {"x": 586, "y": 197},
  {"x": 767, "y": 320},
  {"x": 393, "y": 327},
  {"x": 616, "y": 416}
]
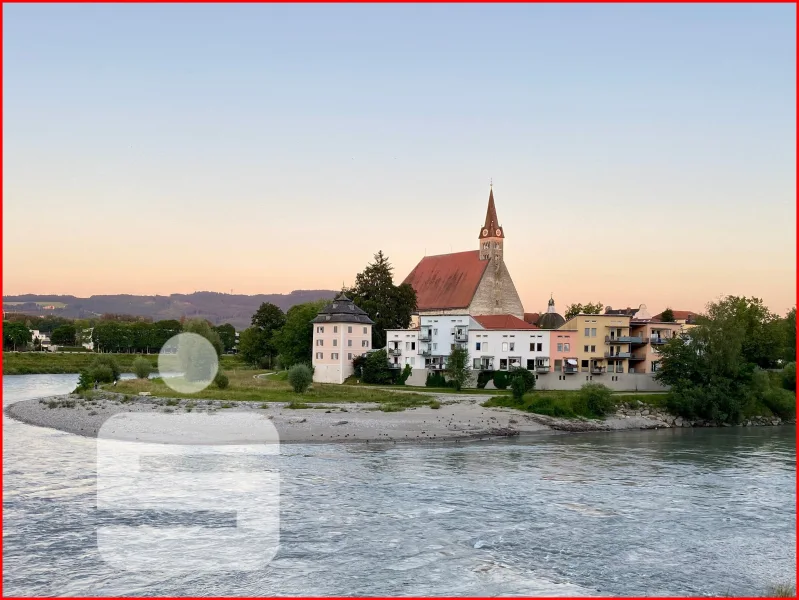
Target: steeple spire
[{"x": 491, "y": 227}]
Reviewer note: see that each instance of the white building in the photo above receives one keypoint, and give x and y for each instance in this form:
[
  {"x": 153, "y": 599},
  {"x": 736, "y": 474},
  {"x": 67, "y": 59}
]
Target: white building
[
  {"x": 341, "y": 332},
  {"x": 42, "y": 338}
]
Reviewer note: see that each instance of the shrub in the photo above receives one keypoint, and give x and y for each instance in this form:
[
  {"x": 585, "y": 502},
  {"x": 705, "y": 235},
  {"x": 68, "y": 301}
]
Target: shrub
[
  {"x": 789, "y": 377},
  {"x": 406, "y": 372},
  {"x": 221, "y": 380},
  {"x": 598, "y": 398},
  {"x": 517, "y": 386},
  {"x": 527, "y": 377},
  {"x": 142, "y": 367},
  {"x": 781, "y": 402},
  {"x": 435, "y": 404},
  {"x": 106, "y": 364},
  {"x": 85, "y": 381},
  {"x": 300, "y": 377},
  {"x": 376, "y": 369},
  {"x": 483, "y": 378},
  {"x": 501, "y": 380},
  {"x": 357, "y": 363},
  {"x": 435, "y": 379}
]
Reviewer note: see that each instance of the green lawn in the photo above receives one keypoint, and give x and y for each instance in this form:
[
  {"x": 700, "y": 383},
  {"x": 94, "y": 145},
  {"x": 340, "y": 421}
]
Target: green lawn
[
  {"x": 25, "y": 363},
  {"x": 244, "y": 386}
]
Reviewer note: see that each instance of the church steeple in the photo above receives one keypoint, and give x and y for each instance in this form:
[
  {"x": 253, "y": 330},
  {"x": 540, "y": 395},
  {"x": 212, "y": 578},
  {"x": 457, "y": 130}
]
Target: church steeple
[{"x": 491, "y": 234}]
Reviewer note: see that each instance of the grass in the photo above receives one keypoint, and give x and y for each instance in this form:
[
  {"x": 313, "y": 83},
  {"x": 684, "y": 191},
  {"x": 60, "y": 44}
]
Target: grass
[
  {"x": 244, "y": 387},
  {"x": 353, "y": 381},
  {"x": 783, "y": 590},
  {"x": 28, "y": 363},
  {"x": 567, "y": 404}
]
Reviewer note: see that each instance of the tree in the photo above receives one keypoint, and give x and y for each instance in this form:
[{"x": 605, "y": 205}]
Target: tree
[
  {"x": 300, "y": 377},
  {"x": 15, "y": 335},
  {"x": 268, "y": 320},
  {"x": 583, "y": 309},
  {"x": 205, "y": 329},
  {"x": 376, "y": 369},
  {"x": 789, "y": 354},
  {"x": 527, "y": 377},
  {"x": 295, "y": 339},
  {"x": 63, "y": 335},
  {"x": 457, "y": 369},
  {"x": 252, "y": 346},
  {"x": 227, "y": 333},
  {"x": 163, "y": 330},
  {"x": 142, "y": 367},
  {"x": 762, "y": 332},
  {"x": 667, "y": 316},
  {"x": 388, "y": 305}
]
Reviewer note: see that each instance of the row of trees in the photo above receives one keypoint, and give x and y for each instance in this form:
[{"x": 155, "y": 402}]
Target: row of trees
[
  {"x": 725, "y": 368},
  {"x": 286, "y": 338}
]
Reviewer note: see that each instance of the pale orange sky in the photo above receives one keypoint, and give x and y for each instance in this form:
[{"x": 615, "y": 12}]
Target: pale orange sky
[{"x": 626, "y": 169}]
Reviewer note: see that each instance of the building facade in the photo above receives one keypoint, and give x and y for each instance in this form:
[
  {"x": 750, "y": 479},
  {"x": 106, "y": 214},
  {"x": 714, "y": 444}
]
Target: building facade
[
  {"x": 341, "y": 332},
  {"x": 602, "y": 345}
]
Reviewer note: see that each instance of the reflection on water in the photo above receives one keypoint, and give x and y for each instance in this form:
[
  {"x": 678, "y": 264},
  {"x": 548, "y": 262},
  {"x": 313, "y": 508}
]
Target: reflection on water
[{"x": 673, "y": 512}]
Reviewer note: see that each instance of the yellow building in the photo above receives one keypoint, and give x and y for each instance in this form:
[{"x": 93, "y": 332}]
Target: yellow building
[{"x": 602, "y": 345}]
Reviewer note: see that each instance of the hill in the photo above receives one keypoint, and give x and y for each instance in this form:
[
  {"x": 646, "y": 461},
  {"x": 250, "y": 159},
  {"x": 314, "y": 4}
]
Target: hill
[{"x": 236, "y": 309}]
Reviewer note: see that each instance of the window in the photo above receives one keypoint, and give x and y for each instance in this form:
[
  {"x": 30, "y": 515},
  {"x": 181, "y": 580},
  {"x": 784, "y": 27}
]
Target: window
[
  {"x": 364, "y": 330},
  {"x": 532, "y": 347},
  {"x": 319, "y": 355},
  {"x": 335, "y": 342},
  {"x": 593, "y": 332},
  {"x": 435, "y": 346},
  {"x": 587, "y": 332},
  {"x": 407, "y": 345},
  {"x": 512, "y": 346},
  {"x": 566, "y": 347},
  {"x": 349, "y": 329},
  {"x": 503, "y": 364},
  {"x": 540, "y": 347},
  {"x": 593, "y": 348},
  {"x": 320, "y": 342},
  {"x": 320, "y": 329},
  {"x": 452, "y": 346},
  {"x": 435, "y": 331},
  {"x": 504, "y": 346},
  {"x": 349, "y": 343},
  {"x": 413, "y": 345},
  {"x": 477, "y": 346},
  {"x": 485, "y": 346},
  {"x": 585, "y": 348},
  {"x": 530, "y": 364},
  {"x": 560, "y": 347},
  {"x": 335, "y": 328},
  {"x": 364, "y": 343},
  {"x": 349, "y": 355},
  {"x": 558, "y": 364},
  {"x": 583, "y": 365},
  {"x": 334, "y": 356}
]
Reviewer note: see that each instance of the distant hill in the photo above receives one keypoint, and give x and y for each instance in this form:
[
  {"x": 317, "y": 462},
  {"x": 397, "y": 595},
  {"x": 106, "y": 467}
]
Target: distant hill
[{"x": 236, "y": 309}]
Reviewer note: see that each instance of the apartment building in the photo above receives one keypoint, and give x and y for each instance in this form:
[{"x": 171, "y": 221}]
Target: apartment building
[
  {"x": 602, "y": 345},
  {"x": 647, "y": 337}
]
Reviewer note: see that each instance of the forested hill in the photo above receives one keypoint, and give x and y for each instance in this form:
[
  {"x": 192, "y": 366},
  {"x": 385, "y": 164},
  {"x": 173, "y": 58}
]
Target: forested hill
[{"x": 236, "y": 309}]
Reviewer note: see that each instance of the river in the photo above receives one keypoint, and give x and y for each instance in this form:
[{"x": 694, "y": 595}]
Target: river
[{"x": 672, "y": 512}]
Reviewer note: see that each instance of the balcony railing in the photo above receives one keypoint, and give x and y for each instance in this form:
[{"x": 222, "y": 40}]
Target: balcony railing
[
  {"x": 542, "y": 368},
  {"x": 623, "y": 339},
  {"x": 425, "y": 352},
  {"x": 393, "y": 365},
  {"x": 395, "y": 351},
  {"x": 620, "y": 355},
  {"x": 483, "y": 364},
  {"x": 597, "y": 370},
  {"x": 657, "y": 340},
  {"x": 461, "y": 336},
  {"x": 425, "y": 336},
  {"x": 570, "y": 369},
  {"x": 634, "y": 357}
]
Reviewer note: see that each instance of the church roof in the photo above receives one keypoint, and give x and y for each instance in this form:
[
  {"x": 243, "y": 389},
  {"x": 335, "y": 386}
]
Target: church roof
[
  {"x": 492, "y": 221},
  {"x": 342, "y": 310},
  {"x": 447, "y": 280},
  {"x": 551, "y": 320},
  {"x": 502, "y": 322},
  {"x": 532, "y": 318}
]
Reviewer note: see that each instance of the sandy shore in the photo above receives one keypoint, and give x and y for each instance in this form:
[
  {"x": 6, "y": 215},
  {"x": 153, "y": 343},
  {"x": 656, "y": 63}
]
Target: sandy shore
[{"x": 460, "y": 418}]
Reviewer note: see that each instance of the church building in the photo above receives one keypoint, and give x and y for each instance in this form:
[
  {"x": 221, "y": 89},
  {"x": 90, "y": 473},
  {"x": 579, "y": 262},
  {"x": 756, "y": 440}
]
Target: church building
[{"x": 475, "y": 282}]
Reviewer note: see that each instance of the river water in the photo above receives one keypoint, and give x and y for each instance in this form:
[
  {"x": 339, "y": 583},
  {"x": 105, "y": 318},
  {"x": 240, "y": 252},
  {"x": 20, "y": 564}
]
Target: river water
[{"x": 672, "y": 512}]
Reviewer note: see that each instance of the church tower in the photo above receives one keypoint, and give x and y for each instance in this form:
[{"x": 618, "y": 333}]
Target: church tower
[{"x": 491, "y": 236}]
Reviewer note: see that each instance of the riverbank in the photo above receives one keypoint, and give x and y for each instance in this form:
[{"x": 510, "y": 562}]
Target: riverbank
[{"x": 33, "y": 363}]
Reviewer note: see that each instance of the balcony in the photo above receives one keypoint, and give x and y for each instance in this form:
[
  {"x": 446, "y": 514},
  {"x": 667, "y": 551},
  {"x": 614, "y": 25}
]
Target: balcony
[
  {"x": 425, "y": 335},
  {"x": 597, "y": 370},
  {"x": 569, "y": 369},
  {"x": 437, "y": 366},
  {"x": 542, "y": 368},
  {"x": 483, "y": 364},
  {"x": 426, "y": 353},
  {"x": 395, "y": 351},
  {"x": 461, "y": 336},
  {"x": 393, "y": 365},
  {"x": 634, "y": 357},
  {"x": 619, "y": 356},
  {"x": 623, "y": 339},
  {"x": 657, "y": 340}
]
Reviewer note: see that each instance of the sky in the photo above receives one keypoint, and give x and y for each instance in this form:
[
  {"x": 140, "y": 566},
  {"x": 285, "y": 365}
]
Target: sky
[{"x": 640, "y": 154}]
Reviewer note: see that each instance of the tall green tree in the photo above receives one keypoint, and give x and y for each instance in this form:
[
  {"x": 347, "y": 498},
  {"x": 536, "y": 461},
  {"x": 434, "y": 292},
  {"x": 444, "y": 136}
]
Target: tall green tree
[
  {"x": 789, "y": 354},
  {"x": 253, "y": 347},
  {"x": 763, "y": 334},
  {"x": 583, "y": 309},
  {"x": 227, "y": 334},
  {"x": 268, "y": 320},
  {"x": 667, "y": 316},
  {"x": 63, "y": 335},
  {"x": 15, "y": 335},
  {"x": 389, "y": 306},
  {"x": 457, "y": 369},
  {"x": 206, "y": 330},
  {"x": 294, "y": 340}
]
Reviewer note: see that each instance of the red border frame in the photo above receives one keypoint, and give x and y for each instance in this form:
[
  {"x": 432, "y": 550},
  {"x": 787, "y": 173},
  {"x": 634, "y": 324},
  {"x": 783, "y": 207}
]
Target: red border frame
[{"x": 343, "y": 1}]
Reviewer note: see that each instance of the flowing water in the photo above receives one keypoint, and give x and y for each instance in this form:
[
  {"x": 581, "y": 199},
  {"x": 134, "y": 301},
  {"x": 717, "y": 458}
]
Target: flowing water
[{"x": 672, "y": 512}]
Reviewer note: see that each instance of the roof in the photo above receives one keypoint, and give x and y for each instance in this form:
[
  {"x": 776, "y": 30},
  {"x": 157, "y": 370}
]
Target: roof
[
  {"x": 629, "y": 312},
  {"x": 502, "y": 322},
  {"x": 342, "y": 310},
  {"x": 447, "y": 280},
  {"x": 679, "y": 315},
  {"x": 491, "y": 222},
  {"x": 551, "y": 320},
  {"x": 532, "y": 318}
]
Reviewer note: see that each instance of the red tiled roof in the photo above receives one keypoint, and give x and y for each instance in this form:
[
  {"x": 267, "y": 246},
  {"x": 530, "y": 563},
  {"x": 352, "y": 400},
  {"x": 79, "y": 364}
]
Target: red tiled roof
[
  {"x": 679, "y": 315},
  {"x": 502, "y": 322},
  {"x": 447, "y": 280},
  {"x": 532, "y": 318}
]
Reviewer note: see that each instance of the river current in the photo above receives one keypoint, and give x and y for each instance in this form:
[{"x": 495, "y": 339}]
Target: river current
[{"x": 672, "y": 512}]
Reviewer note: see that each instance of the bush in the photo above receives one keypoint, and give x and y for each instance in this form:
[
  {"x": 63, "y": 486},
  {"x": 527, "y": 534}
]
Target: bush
[
  {"x": 527, "y": 377},
  {"x": 435, "y": 379},
  {"x": 789, "y": 377},
  {"x": 483, "y": 378},
  {"x": 142, "y": 367},
  {"x": 221, "y": 380},
  {"x": 780, "y": 402},
  {"x": 598, "y": 398},
  {"x": 406, "y": 372},
  {"x": 517, "y": 386},
  {"x": 376, "y": 369},
  {"x": 85, "y": 382},
  {"x": 102, "y": 374},
  {"x": 501, "y": 380},
  {"x": 105, "y": 364},
  {"x": 300, "y": 377}
]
